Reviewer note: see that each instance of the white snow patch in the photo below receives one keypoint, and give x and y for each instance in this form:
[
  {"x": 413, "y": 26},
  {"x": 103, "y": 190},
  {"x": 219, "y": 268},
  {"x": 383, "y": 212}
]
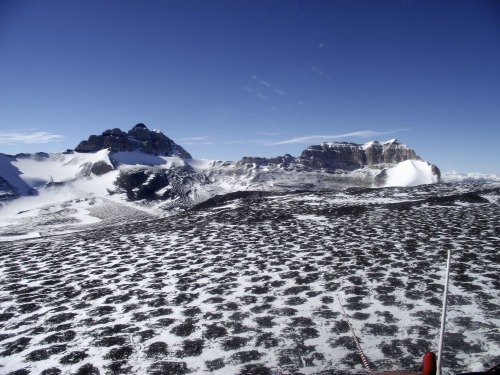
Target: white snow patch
[
  {"x": 410, "y": 173},
  {"x": 138, "y": 158},
  {"x": 390, "y": 141},
  {"x": 37, "y": 171},
  {"x": 311, "y": 218},
  {"x": 200, "y": 163}
]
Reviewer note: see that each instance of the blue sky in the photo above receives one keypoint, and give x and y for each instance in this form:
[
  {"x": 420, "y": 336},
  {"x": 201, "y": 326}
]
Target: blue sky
[{"x": 229, "y": 78}]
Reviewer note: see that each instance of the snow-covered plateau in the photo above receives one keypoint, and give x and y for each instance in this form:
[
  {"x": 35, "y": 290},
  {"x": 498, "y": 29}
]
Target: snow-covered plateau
[{"x": 126, "y": 262}]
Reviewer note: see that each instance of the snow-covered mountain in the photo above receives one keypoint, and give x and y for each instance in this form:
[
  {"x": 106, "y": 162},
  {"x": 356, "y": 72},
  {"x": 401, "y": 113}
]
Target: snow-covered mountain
[
  {"x": 141, "y": 152},
  {"x": 139, "y": 138},
  {"x": 147, "y": 171}
]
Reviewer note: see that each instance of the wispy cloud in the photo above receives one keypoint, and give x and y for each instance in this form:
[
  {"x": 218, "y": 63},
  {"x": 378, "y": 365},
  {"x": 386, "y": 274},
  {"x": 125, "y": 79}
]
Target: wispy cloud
[
  {"x": 326, "y": 138},
  {"x": 317, "y": 71},
  {"x": 254, "y": 92},
  {"x": 28, "y": 137},
  {"x": 318, "y": 75},
  {"x": 201, "y": 140},
  {"x": 265, "y": 84},
  {"x": 270, "y": 134},
  {"x": 261, "y": 81}
]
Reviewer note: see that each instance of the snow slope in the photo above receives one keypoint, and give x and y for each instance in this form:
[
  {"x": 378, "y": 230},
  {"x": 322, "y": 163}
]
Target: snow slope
[
  {"x": 39, "y": 170},
  {"x": 64, "y": 197},
  {"x": 410, "y": 173}
]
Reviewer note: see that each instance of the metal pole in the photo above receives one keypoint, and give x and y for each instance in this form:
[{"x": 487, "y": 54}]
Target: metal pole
[{"x": 443, "y": 317}]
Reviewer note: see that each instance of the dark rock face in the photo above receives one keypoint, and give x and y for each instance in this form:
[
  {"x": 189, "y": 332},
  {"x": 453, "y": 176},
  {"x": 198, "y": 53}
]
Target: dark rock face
[
  {"x": 8, "y": 191},
  {"x": 147, "y": 182},
  {"x": 340, "y": 155},
  {"x": 138, "y": 138},
  {"x": 11, "y": 184},
  {"x": 350, "y": 156},
  {"x": 436, "y": 171},
  {"x": 282, "y": 161},
  {"x": 344, "y": 155}
]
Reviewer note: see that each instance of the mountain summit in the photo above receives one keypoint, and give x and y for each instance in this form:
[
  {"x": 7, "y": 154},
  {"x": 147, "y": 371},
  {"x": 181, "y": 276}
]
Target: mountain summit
[
  {"x": 345, "y": 156},
  {"x": 139, "y": 138}
]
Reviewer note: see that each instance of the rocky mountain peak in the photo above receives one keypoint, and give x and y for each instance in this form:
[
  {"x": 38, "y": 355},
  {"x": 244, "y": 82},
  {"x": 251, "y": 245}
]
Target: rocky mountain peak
[
  {"x": 139, "y": 138},
  {"x": 350, "y": 156},
  {"x": 346, "y": 156}
]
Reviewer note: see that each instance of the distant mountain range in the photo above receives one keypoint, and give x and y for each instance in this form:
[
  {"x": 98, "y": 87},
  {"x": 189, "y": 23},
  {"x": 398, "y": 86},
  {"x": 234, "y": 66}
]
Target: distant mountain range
[
  {"x": 327, "y": 156},
  {"x": 145, "y": 165},
  {"x": 143, "y": 174}
]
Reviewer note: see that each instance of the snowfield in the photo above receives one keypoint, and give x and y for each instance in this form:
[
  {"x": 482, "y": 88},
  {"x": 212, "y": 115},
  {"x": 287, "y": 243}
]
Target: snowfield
[{"x": 250, "y": 283}]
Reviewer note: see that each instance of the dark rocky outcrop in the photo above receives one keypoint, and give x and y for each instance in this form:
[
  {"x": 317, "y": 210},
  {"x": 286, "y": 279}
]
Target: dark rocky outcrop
[
  {"x": 282, "y": 161},
  {"x": 11, "y": 183},
  {"x": 7, "y": 191},
  {"x": 147, "y": 183},
  {"x": 435, "y": 170},
  {"x": 139, "y": 138},
  {"x": 344, "y": 155},
  {"x": 350, "y": 156},
  {"x": 340, "y": 156}
]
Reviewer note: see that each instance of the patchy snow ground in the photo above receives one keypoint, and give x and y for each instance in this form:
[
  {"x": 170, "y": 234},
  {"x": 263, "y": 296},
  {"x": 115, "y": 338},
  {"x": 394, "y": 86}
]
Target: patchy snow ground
[
  {"x": 67, "y": 208},
  {"x": 250, "y": 286}
]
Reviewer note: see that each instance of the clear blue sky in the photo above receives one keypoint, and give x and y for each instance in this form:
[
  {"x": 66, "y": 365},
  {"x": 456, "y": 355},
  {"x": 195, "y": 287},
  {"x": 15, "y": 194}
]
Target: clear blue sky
[{"x": 229, "y": 78}]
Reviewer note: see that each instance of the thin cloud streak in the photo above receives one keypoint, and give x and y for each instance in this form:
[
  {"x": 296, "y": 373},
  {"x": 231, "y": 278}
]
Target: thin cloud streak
[
  {"x": 193, "y": 141},
  {"x": 326, "y": 138},
  {"x": 33, "y": 137},
  {"x": 266, "y": 84},
  {"x": 200, "y": 138},
  {"x": 270, "y": 134},
  {"x": 256, "y": 93}
]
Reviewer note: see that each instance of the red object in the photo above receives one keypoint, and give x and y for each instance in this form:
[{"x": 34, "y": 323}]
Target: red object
[{"x": 429, "y": 366}]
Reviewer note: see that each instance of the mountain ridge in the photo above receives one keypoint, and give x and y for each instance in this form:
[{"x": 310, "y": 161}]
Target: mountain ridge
[
  {"x": 344, "y": 155},
  {"x": 145, "y": 168},
  {"x": 139, "y": 138},
  {"x": 327, "y": 155}
]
